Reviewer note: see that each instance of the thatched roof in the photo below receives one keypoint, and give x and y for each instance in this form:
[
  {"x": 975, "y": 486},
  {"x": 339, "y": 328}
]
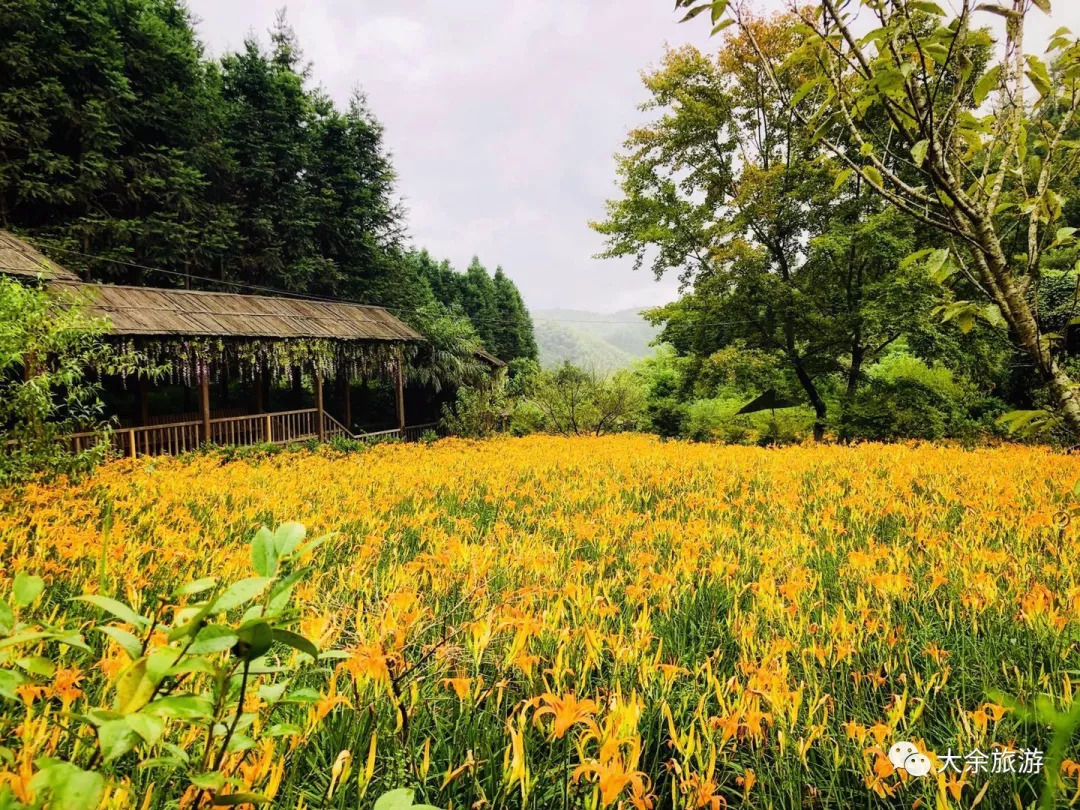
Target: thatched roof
[
  {"x": 150, "y": 311},
  {"x": 153, "y": 311},
  {"x": 489, "y": 358},
  {"x": 18, "y": 258}
]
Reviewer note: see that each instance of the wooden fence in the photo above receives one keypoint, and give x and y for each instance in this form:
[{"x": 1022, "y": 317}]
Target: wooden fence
[{"x": 280, "y": 427}]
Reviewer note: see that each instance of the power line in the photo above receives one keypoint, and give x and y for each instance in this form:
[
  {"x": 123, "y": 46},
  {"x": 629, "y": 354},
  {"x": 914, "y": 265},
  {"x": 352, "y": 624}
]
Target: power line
[
  {"x": 332, "y": 300},
  {"x": 306, "y": 296}
]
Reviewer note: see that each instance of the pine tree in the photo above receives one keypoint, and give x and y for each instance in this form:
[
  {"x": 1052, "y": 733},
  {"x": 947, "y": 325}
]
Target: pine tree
[
  {"x": 514, "y": 331},
  {"x": 107, "y": 132},
  {"x": 268, "y": 121},
  {"x": 478, "y": 301}
]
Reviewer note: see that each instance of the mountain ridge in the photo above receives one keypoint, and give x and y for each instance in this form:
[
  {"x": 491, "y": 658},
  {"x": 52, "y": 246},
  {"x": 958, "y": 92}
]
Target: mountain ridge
[{"x": 600, "y": 341}]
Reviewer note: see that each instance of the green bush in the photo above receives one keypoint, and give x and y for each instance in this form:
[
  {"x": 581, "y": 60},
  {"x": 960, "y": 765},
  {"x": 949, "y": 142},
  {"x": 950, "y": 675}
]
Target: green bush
[
  {"x": 51, "y": 352},
  {"x": 478, "y": 411},
  {"x": 905, "y": 398},
  {"x": 192, "y": 658}
]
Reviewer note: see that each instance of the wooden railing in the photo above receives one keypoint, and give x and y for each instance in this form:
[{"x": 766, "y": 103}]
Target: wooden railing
[
  {"x": 176, "y": 418},
  {"x": 281, "y": 427}
]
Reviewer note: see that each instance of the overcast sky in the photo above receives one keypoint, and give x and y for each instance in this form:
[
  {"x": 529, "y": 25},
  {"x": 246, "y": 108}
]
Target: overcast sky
[{"x": 503, "y": 117}]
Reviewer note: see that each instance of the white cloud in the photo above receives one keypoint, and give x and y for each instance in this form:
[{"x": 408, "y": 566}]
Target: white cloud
[{"x": 503, "y": 117}]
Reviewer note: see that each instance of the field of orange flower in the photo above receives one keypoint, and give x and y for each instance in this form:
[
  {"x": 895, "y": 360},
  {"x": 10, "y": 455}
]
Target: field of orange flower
[{"x": 545, "y": 623}]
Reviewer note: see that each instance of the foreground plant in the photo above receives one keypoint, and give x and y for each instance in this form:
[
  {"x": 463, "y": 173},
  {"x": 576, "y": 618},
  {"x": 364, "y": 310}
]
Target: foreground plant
[
  {"x": 539, "y": 623},
  {"x": 202, "y": 686}
]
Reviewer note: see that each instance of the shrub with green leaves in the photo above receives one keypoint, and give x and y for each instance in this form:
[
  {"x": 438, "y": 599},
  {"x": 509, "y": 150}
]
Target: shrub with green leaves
[{"x": 210, "y": 677}]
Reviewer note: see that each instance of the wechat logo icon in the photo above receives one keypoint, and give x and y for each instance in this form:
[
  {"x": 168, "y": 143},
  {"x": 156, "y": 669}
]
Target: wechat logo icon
[{"x": 905, "y": 755}]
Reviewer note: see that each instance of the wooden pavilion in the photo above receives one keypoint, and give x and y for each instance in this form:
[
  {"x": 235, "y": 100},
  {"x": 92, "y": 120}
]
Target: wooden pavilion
[{"x": 199, "y": 336}]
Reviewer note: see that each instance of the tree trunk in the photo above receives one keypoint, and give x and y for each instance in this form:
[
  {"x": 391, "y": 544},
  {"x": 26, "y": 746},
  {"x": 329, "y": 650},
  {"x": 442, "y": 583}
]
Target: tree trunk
[
  {"x": 858, "y": 354},
  {"x": 1017, "y": 313},
  {"x": 815, "y": 398},
  {"x": 805, "y": 380}
]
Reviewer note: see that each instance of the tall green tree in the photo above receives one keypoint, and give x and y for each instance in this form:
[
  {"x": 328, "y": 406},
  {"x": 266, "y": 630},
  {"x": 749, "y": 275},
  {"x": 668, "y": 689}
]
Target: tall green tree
[
  {"x": 478, "y": 301},
  {"x": 721, "y": 189},
  {"x": 965, "y": 151},
  {"x": 109, "y": 133},
  {"x": 513, "y": 336},
  {"x": 268, "y": 133}
]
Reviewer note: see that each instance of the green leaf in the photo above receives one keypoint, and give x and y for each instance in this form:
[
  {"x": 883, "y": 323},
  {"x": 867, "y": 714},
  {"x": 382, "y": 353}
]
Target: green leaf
[
  {"x": 116, "y": 738},
  {"x": 68, "y": 787},
  {"x": 272, "y": 692},
  {"x": 240, "y": 742},
  {"x": 305, "y": 694},
  {"x": 282, "y": 590},
  {"x": 694, "y": 12},
  {"x": 197, "y": 586},
  {"x": 720, "y": 26},
  {"x": 288, "y": 536},
  {"x": 183, "y": 707},
  {"x": 193, "y": 663},
  {"x": 936, "y": 260},
  {"x": 264, "y": 554},
  {"x": 918, "y": 152},
  {"x": 133, "y": 688},
  {"x": 873, "y": 175},
  {"x": 37, "y": 665},
  {"x": 7, "y": 618},
  {"x": 213, "y": 638},
  {"x": 805, "y": 90},
  {"x": 283, "y": 730},
  {"x": 989, "y": 81},
  {"x": 927, "y": 7},
  {"x": 297, "y": 642},
  {"x": 26, "y": 588},
  {"x": 307, "y": 548},
  {"x": 131, "y": 645},
  {"x": 117, "y": 609},
  {"x": 1044, "y": 5},
  {"x": 9, "y": 680},
  {"x": 239, "y": 593},
  {"x": 841, "y": 178},
  {"x": 1039, "y": 75},
  {"x": 1064, "y": 235},
  {"x": 253, "y": 640},
  {"x": 211, "y": 780},
  {"x": 398, "y": 799},
  {"x": 159, "y": 661},
  {"x": 146, "y": 726},
  {"x": 992, "y": 314}
]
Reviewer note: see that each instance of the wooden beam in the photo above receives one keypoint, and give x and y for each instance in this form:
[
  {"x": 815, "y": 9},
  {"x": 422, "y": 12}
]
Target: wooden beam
[
  {"x": 400, "y": 391},
  {"x": 141, "y": 390},
  {"x": 204, "y": 402},
  {"x": 257, "y": 384},
  {"x": 319, "y": 426},
  {"x": 347, "y": 402}
]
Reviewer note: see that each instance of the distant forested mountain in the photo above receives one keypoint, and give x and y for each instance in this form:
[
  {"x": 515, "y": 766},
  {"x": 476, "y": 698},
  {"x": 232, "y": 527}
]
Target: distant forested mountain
[{"x": 591, "y": 339}]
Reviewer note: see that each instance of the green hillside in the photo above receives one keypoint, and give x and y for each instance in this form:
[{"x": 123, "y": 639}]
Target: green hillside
[{"x": 601, "y": 341}]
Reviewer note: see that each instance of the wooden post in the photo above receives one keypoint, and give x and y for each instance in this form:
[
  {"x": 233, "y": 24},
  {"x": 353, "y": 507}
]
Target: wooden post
[
  {"x": 400, "y": 386},
  {"x": 140, "y": 400},
  {"x": 268, "y": 434},
  {"x": 319, "y": 426},
  {"x": 131, "y": 442},
  {"x": 258, "y": 385},
  {"x": 347, "y": 397},
  {"x": 204, "y": 402}
]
